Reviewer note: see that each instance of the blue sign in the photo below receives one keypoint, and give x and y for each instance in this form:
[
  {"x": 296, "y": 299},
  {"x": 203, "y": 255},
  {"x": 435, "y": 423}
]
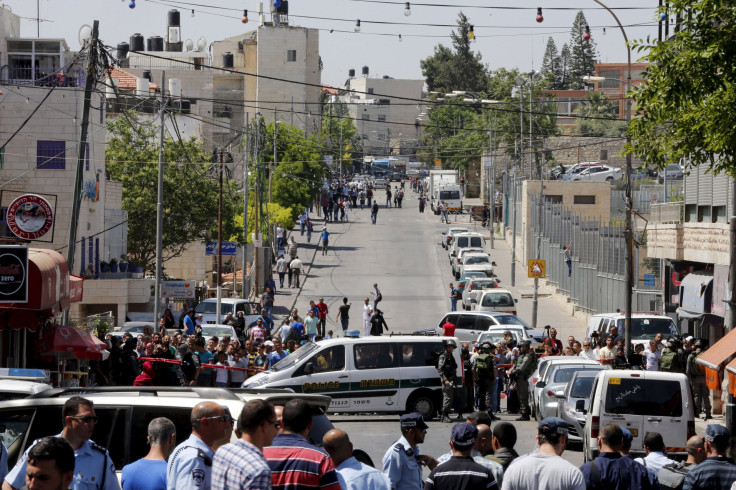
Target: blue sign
[{"x": 228, "y": 248}]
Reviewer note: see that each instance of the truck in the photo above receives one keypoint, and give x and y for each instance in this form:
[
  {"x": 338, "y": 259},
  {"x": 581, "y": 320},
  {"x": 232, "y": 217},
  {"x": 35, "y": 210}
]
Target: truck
[{"x": 444, "y": 185}]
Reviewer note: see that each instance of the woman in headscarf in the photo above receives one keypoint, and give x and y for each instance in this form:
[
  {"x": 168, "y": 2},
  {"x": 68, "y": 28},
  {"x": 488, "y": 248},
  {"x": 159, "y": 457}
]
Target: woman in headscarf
[{"x": 147, "y": 376}]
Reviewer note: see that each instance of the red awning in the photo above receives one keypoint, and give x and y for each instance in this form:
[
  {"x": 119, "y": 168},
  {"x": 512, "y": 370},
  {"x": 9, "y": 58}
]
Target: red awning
[
  {"x": 48, "y": 291},
  {"x": 62, "y": 339},
  {"x": 76, "y": 288}
]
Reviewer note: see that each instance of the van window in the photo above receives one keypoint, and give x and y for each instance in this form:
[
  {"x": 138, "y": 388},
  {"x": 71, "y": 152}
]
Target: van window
[
  {"x": 142, "y": 416},
  {"x": 648, "y": 328},
  {"x": 638, "y": 396},
  {"x": 462, "y": 242},
  {"x": 465, "y": 322},
  {"x": 448, "y": 195},
  {"x": 210, "y": 308},
  {"x": 415, "y": 354},
  {"x": 476, "y": 241},
  {"x": 326, "y": 360},
  {"x": 375, "y": 356},
  {"x": 497, "y": 299},
  {"x": 16, "y": 424}
]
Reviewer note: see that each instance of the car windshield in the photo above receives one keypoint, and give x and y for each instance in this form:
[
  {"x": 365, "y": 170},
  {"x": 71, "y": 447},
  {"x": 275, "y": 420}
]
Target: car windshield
[
  {"x": 497, "y": 299},
  {"x": 216, "y": 331},
  {"x": 294, "y": 357},
  {"x": 470, "y": 274},
  {"x": 511, "y": 320},
  {"x": 582, "y": 387},
  {"x": 492, "y": 337},
  {"x": 135, "y": 329},
  {"x": 481, "y": 259},
  {"x": 564, "y": 374},
  {"x": 648, "y": 328},
  {"x": 210, "y": 308},
  {"x": 448, "y": 195},
  {"x": 488, "y": 283}
]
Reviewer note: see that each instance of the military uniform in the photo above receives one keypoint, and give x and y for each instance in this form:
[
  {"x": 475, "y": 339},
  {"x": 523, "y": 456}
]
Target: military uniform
[
  {"x": 93, "y": 469},
  {"x": 523, "y": 369},
  {"x": 484, "y": 374},
  {"x": 447, "y": 367},
  {"x": 190, "y": 466},
  {"x": 700, "y": 390}
]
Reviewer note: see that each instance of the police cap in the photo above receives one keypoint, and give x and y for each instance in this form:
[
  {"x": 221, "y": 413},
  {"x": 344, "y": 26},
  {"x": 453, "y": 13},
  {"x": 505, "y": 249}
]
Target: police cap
[
  {"x": 554, "y": 424},
  {"x": 413, "y": 420},
  {"x": 464, "y": 434},
  {"x": 717, "y": 432}
]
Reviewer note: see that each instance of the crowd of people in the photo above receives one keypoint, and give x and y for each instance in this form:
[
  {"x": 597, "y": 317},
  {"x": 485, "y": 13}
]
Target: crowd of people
[{"x": 268, "y": 447}]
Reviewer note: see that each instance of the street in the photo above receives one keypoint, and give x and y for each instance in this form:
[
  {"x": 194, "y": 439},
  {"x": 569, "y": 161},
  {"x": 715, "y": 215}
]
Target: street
[{"x": 402, "y": 253}]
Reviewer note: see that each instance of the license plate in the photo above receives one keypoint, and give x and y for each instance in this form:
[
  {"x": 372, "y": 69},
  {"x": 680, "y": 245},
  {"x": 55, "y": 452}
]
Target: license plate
[
  {"x": 634, "y": 432},
  {"x": 614, "y": 381}
]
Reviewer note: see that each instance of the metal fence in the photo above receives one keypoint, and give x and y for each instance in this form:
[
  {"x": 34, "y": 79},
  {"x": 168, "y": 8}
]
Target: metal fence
[{"x": 644, "y": 197}]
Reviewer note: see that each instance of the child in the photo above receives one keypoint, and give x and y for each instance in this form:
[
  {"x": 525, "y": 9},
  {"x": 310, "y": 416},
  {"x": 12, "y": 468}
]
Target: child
[{"x": 222, "y": 376}]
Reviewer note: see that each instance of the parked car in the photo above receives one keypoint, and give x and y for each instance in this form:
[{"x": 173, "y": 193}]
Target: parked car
[
  {"x": 643, "y": 173},
  {"x": 134, "y": 328},
  {"x": 533, "y": 336},
  {"x": 464, "y": 240},
  {"x": 457, "y": 260},
  {"x": 219, "y": 331},
  {"x": 644, "y": 326},
  {"x": 673, "y": 171},
  {"x": 380, "y": 184},
  {"x": 577, "y": 168},
  {"x": 555, "y": 378},
  {"x": 542, "y": 365},
  {"x": 496, "y": 336},
  {"x": 463, "y": 281},
  {"x": 574, "y": 401},
  {"x": 208, "y": 309},
  {"x": 500, "y": 300},
  {"x": 600, "y": 173},
  {"x": 475, "y": 262},
  {"x": 447, "y": 234},
  {"x": 474, "y": 286},
  {"x": 470, "y": 324}
]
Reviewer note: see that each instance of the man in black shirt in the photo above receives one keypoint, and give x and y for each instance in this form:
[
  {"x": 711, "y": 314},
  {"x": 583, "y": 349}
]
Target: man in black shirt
[
  {"x": 343, "y": 315},
  {"x": 460, "y": 471}
]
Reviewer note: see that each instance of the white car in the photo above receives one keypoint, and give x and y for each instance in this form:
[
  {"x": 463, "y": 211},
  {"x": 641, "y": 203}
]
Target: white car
[
  {"x": 571, "y": 172},
  {"x": 380, "y": 184},
  {"x": 447, "y": 234},
  {"x": 475, "y": 262},
  {"x": 474, "y": 286},
  {"x": 500, "y": 300},
  {"x": 600, "y": 173},
  {"x": 456, "y": 262},
  {"x": 212, "y": 330}
]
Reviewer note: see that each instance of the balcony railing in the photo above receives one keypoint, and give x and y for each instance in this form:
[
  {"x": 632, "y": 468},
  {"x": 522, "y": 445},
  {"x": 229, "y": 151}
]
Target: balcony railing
[
  {"x": 667, "y": 212},
  {"x": 42, "y": 76}
]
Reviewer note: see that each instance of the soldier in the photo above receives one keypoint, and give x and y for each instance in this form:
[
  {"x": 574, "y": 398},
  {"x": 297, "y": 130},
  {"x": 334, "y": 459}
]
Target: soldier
[
  {"x": 402, "y": 463},
  {"x": 447, "y": 367},
  {"x": 484, "y": 375},
  {"x": 671, "y": 359},
  {"x": 523, "y": 368},
  {"x": 697, "y": 380}
]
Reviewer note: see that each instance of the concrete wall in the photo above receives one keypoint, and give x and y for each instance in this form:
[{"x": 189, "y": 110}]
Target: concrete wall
[
  {"x": 114, "y": 295},
  {"x": 10, "y": 28},
  {"x": 707, "y": 243},
  {"x": 193, "y": 264}
]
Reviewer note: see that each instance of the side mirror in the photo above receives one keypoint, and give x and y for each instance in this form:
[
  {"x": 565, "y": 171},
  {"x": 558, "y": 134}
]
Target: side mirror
[
  {"x": 309, "y": 368},
  {"x": 580, "y": 406},
  {"x": 516, "y": 300},
  {"x": 560, "y": 394},
  {"x": 540, "y": 384},
  {"x": 493, "y": 264}
]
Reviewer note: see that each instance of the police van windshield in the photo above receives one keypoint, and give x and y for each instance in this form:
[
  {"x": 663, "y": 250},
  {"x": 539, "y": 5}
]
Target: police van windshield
[
  {"x": 294, "y": 357},
  {"x": 648, "y": 328}
]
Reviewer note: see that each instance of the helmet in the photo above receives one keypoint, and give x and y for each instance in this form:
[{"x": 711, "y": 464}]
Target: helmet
[
  {"x": 526, "y": 343},
  {"x": 700, "y": 344},
  {"x": 450, "y": 343},
  {"x": 672, "y": 345},
  {"x": 486, "y": 346}
]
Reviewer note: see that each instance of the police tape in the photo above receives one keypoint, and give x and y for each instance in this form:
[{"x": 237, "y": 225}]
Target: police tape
[{"x": 214, "y": 366}]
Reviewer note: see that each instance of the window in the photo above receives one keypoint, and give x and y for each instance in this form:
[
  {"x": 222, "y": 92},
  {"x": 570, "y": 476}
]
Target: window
[
  {"x": 16, "y": 424},
  {"x": 291, "y": 55},
  {"x": 638, "y": 396},
  {"x": 497, "y": 299},
  {"x": 375, "y": 356},
  {"x": 611, "y": 74},
  {"x": 110, "y": 432},
  {"x": 555, "y": 199},
  {"x": 449, "y": 195},
  {"x": 382, "y": 118},
  {"x": 584, "y": 200},
  {"x": 719, "y": 212},
  {"x": 332, "y": 359},
  {"x": 452, "y": 318},
  {"x": 465, "y": 322},
  {"x": 369, "y": 90},
  {"x": 420, "y": 353},
  {"x": 366, "y": 117},
  {"x": 51, "y": 155},
  {"x": 582, "y": 387}
]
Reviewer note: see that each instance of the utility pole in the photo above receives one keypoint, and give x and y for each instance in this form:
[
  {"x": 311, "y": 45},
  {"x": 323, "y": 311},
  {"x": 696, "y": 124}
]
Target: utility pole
[
  {"x": 340, "y": 156},
  {"x": 160, "y": 206},
  {"x": 90, "y": 83},
  {"x": 273, "y": 164},
  {"x": 245, "y": 208},
  {"x": 256, "y": 205},
  {"x": 218, "y": 308},
  {"x": 492, "y": 192}
]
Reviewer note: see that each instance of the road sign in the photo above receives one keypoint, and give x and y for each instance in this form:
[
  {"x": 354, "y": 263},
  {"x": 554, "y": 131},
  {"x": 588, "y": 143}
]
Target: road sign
[
  {"x": 437, "y": 162},
  {"x": 228, "y": 248},
  {"x": 537, "y": 268},
  {"x": 178, "y": 289}
]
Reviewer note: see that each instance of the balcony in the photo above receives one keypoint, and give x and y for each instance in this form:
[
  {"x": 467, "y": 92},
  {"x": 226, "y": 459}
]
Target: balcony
[{"x": 42, "y": 76}]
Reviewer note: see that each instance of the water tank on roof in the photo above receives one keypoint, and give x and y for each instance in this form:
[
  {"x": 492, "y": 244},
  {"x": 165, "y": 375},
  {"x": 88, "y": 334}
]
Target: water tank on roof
[
  {"x": 175, "y": 87},
  {"x": 141, "y": 87},
  {"x": 174, "y": 18},
  {"x": 365, "y": 71},
  {"x": 351, "y": 73},
  {"x": 121, "y": 50},
  {"x": 227, "y": 60},
  {"x": 155, "y": 43},
  {"x": 136, "y": 42}
]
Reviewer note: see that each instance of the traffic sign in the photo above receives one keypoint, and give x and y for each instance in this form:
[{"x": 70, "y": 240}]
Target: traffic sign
[
  {"x": 537, "y": 268},
  {"x": 228, "y": 248},
  {"x": 437, "y": 162}
]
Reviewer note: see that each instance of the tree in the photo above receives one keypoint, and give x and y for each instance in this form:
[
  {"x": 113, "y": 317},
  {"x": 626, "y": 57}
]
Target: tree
[
  {"x": 583, "y": 54},
  {"x": 551, "y": 70},
  {"x": 599, "y": 117},
  {"x": 462, "y": 69},
  {"x": 190, "y": 189},
  {"x": 685, "y": 109},
  {"x": 565, "y": 62}
]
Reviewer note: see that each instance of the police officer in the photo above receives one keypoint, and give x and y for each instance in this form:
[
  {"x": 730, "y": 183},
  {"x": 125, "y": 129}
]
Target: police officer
[
  {"x": 700, "y": 390},
  {"x": 671, "y": 358},
  {"x": 523, "y": 368},
  {"x": 402, "y": 463},
  {"x": 484, "y": 375},
  {"x": 93, "y": 467},
  {"x": 190, "y": 465},
  {"x": 447, "y": 367}
]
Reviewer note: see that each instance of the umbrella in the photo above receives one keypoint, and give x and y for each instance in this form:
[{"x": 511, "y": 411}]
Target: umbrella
[{"x": 77, "y": 342}]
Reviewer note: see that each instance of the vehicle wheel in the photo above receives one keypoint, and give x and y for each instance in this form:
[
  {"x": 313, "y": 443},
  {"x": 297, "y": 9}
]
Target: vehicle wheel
[
  {"x": 423, "y": 403},
  {"x": 609, "y": 179}
]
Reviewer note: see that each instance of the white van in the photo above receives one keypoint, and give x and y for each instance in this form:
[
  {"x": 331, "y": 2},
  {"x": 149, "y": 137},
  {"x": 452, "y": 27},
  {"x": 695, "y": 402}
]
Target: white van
[
  {"x": 208, "y": 309},
  {"x": 369, "y": 374},
  {"x": 641, "y": 401},
  {"x": 465, "y": 240},
  {"x": 500, "y": 300},
  {"x": 644, "y": 326}
]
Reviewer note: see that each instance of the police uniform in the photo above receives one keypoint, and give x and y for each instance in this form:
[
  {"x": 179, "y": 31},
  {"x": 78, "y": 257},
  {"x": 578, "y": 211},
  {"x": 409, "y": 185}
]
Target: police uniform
[
  {"x": 485, "y": 377},
  {"x": 401, "y": 466},
  {"x": 523, "y": 369},
  {"x": 190, "y": 466},
  {"x": 93, "y": 469},
  {"x": 447, "y": 367}
]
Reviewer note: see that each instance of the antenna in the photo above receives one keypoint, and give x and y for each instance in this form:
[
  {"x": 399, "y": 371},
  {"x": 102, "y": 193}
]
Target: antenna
[{"x": 84, "y": 35}]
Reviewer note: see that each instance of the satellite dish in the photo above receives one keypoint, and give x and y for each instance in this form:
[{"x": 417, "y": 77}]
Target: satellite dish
[
  {"x": 201, "y": 43},
  {"x": 84, "y": 35},
  {"x": 189, "y": 44}
]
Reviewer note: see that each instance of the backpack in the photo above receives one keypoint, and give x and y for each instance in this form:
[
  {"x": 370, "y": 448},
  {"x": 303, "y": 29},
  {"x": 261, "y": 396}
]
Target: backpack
[
  {"x": 671, "y": 363},
  {"x": 484, "y": 363},
  {"x": 672, "y": 475},
  {"x": 292, "y": 335},
  {"x": 695, "y": 368}
]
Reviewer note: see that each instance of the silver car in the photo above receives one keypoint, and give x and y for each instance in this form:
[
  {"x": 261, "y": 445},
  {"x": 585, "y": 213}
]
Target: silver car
[
  {"x": 556, "y": 379},
  {"x": 542, "y": 373},
  {"x": 573, "y": 402}
]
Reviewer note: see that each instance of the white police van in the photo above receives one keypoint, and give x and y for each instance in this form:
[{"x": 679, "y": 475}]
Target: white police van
[
  {"x": 20, "y": 383},
  {"x": 368, "y": 374}
]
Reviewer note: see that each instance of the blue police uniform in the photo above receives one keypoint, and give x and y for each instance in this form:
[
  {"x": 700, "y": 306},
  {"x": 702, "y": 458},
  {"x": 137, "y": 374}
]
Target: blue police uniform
[
  {"x": 3, "y": 460},
  {"x": 401, "y": 466},
  {"x": 93, "y": 469},
  {"x": 190, "y": 466}
]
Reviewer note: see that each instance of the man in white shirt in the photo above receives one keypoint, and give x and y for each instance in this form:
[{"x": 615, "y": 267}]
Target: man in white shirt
[
  {"x": 587, "y": 352},
  {"x": 608, "y": 352},
  {"x": 653, "y": 356},
  {"x": 367, "y": 314},
  {"x": 654, "y": 447}
]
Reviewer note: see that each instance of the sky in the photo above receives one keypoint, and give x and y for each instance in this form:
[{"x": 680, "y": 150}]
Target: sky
[{"x": 507, "y": 34}]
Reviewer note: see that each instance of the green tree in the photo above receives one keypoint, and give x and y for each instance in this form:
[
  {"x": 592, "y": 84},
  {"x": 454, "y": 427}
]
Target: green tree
[
  {"x": 551, "y": 70},
  {"x": 599, "y": 117},
  {"x": 190, "y": 189},
  {"x": 583, "y": 54},
  {"x": 684, "y": 111},
  {"x": 565, "y": 62},
  {"x": 459, "y": 68}
]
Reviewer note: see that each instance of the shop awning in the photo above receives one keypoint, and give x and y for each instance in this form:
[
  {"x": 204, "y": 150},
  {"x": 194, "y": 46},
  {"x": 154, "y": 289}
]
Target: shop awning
[
  {"x": 72, "y": 341},
  {"x": 696, "y": 295},
  {"x": 715, "y": 356},
  {"x": 731, "y": 371},
  {"x": 76, "y": 288}
]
